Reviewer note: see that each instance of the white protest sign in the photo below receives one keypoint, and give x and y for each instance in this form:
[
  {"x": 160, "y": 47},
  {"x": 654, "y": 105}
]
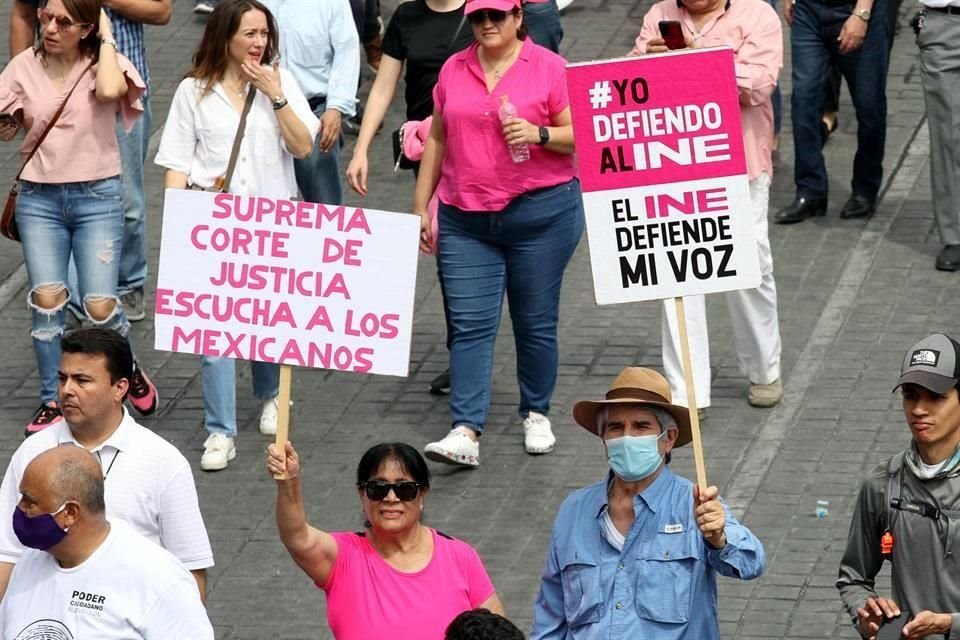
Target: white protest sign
[
  {"x": 286, "y": 282},
  {"x": 665, "y": 190}
]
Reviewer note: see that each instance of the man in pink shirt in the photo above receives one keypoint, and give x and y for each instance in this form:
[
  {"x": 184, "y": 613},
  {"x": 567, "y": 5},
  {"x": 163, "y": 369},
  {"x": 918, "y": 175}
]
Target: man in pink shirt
[{"x": 752, "y": 29}]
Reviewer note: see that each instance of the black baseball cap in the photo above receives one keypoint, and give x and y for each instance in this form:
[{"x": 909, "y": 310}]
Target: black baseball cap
[{"x": 933, "y": 363}]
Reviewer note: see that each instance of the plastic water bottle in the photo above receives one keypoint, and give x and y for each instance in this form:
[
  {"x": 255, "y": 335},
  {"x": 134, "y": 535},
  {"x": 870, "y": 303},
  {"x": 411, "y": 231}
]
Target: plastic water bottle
[
  {"x": 518, "y": 152},
  {"x": 823, "y": 508}
]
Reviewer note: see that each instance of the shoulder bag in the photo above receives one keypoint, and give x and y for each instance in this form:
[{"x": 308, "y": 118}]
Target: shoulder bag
[
  {"x": 8, "y": 223},
  {"x": 400, "y": 160}
]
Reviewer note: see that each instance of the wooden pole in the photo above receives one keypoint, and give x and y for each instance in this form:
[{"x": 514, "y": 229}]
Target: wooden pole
[
  {"x": 283, "y": 411},
  {"x": 691, "y": 395}
]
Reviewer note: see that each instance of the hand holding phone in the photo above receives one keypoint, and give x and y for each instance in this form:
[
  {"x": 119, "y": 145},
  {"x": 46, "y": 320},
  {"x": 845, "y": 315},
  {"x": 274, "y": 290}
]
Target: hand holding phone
[
  {"x": 672, "y": 33},
  {"x": 8, "y": 127},
  {"x": 892, "y": 628}
]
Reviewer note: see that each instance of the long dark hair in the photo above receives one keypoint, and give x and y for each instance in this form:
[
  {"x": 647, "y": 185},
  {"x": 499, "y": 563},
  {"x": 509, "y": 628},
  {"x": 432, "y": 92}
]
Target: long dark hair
[
  {"x": 88, "y": 13},
  {"x": 210, "y": 59}
]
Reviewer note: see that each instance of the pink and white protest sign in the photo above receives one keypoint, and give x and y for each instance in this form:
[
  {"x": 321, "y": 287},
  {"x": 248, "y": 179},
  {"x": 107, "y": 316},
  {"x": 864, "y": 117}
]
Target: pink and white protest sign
[
  {"x": 287, "y": 282},
  {"x": 665, "y": 188}
]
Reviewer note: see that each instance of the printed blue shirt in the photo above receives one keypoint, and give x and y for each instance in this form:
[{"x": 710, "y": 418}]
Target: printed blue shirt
[{"x": 662, "y": 585}]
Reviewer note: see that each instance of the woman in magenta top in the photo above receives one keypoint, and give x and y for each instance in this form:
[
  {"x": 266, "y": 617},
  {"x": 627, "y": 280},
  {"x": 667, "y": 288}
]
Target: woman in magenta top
[
  {"x": 505, "y": 224},
  {"x": 397, "y": 579}
]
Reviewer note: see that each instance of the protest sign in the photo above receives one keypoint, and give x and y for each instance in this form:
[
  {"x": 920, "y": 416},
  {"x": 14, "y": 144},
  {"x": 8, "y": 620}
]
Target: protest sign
[
  {"x": 287, "y": 282},
  {"x": 661, "y": 160}
]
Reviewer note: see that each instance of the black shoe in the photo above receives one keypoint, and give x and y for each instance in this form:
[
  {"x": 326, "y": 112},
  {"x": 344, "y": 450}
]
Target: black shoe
[
  {"x": 949, "y": 258},
  {"x": 440, "y": 386},
  {"x": 858, "y": 206},
  {"x": 801, "y": 209}
]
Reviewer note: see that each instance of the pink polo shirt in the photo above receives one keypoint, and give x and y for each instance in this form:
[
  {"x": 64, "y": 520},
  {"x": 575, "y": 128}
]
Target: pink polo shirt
[
  {"x": 82, "y": 145},
  {"x": 477, "y": 173},
  {"x": 753, "y": 29},
  {"x": 368, "y": 599}
]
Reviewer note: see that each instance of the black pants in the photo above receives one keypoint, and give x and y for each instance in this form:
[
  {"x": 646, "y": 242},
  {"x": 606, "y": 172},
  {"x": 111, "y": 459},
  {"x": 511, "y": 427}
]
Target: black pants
[{"x": 366, "y": 14}]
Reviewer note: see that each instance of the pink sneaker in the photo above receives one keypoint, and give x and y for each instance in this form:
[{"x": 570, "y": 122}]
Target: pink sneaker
[
  {"x": 46, "y": 416},
  {"x": 143, "y": 395}
]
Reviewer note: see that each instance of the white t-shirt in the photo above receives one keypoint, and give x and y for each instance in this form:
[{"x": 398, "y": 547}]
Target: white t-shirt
[
  {"x": 129, "y": 588},
  {"x": 148, "y": 484}
]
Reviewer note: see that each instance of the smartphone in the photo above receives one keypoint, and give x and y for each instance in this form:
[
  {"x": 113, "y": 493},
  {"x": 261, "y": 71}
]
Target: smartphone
[
  {"x": 672, "y": 32},
  {"x": 6, "y": 118},
  {"x": 892, "y": 629}
]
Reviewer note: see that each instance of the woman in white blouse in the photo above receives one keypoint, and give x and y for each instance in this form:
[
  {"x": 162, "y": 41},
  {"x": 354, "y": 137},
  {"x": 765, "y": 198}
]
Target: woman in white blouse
[{"x": 240, "y": 36}]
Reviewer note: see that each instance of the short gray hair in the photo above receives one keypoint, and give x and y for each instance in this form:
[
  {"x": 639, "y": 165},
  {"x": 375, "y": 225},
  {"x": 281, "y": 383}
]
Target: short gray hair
[
  {"x": 80, "y": 481},
  {"x": 664, "y": 418}
]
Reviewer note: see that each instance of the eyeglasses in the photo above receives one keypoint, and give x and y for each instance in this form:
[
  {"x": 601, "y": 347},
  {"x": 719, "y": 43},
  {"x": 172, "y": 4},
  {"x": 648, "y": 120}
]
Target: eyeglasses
[
  {"x": 63, "y": 22},
  {"x": 378, "y": 490},
  {"x": 493, "y": 15}
]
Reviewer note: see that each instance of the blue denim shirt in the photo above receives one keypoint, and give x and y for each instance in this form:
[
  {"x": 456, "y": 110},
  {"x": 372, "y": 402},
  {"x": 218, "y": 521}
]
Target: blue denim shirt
[{"x": 662, "y": 585}]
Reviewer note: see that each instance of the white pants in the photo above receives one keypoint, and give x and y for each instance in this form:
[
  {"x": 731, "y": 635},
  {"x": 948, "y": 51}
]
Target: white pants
[{"x": 753, "y": 312}]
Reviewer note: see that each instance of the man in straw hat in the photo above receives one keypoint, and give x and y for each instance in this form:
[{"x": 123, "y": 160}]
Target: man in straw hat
[
  {"x": 636, "y": 554},
  {"x": 906, "y": 511}
]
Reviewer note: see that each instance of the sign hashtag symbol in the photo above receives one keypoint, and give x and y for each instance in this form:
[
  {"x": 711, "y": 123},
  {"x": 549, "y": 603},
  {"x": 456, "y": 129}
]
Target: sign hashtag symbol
[{"x": 600, "y": 94}]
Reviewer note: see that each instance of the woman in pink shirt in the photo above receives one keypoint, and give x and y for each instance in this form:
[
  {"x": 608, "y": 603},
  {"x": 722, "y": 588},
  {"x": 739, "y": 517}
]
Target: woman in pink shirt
[
  {"x": 70, "y": 193},
  {"x": 510, "y": 217},
  {"x": 396, "y": 579}
]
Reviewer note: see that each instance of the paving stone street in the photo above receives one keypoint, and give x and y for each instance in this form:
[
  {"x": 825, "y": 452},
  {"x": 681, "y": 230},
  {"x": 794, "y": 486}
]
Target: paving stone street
[{"x": 854, "y": 295}]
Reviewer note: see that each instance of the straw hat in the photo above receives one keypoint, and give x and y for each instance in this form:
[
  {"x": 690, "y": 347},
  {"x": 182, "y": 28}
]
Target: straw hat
[{"x": 635, "y": 385}]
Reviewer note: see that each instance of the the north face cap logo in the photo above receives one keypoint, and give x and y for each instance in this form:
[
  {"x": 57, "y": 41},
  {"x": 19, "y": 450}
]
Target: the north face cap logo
[{"x": 926, "y": 357}]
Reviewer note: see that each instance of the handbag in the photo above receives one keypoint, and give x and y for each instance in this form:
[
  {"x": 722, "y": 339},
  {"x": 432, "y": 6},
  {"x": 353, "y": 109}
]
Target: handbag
[
  {"x": 401, "y": 161},
  {"x": 8, "y": 223},
  {"x": 222, "y": 183}
]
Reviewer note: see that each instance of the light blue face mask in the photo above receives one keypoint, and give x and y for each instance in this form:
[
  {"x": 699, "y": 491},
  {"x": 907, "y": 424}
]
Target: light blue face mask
[{"x": 634, "y": 458}]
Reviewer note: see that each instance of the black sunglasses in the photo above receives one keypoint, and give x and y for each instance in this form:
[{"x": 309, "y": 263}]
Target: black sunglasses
[
  {"x": 378, "y": 490},
  {"x": 479, "y": 17}
]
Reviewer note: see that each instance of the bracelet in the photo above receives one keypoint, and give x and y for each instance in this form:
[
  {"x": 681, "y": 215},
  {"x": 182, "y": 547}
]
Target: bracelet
[
  {"x": 109, "y": 41},
  {"x": 279, "y": 104}
]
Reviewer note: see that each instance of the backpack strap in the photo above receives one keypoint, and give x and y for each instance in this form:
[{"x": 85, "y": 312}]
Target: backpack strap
[{"x": 894, "y": 482}]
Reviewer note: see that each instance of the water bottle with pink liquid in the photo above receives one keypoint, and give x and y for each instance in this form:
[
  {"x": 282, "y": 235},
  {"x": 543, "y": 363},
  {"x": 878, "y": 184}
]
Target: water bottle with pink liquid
[{"x": 518, "y": 152}]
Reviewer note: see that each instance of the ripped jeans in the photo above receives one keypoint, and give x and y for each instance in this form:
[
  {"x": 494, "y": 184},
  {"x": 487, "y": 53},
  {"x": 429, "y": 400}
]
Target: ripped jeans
[{"x": 55, "y": 219}]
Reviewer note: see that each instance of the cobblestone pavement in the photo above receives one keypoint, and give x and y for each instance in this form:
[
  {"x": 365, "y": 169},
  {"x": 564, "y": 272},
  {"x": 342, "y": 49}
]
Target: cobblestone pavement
[{"x": 853, "y": 296}]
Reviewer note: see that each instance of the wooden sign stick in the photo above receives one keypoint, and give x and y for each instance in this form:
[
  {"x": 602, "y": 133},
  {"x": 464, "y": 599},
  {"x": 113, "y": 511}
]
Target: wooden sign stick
[
  {"x": 283, "y": 411},
  {"x": 691, "y": 395}
]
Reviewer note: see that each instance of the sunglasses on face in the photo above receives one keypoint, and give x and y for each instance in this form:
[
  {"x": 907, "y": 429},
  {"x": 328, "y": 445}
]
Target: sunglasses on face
[
  {"x": 378, "y": 490},
  {"x": 493, "y": 15},
  {"x": 63, "y": 22}
]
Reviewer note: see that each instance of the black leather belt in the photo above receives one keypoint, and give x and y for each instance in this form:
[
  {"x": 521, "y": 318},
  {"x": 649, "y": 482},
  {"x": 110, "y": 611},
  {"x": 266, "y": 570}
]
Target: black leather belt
[{"x": 951, "y": 10}]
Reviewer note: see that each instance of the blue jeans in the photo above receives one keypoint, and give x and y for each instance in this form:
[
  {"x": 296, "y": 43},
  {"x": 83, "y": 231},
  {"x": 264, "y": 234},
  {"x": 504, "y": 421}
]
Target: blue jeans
[
  {"x": 133, "y": 155},
  {"x": 220, "y": 391},
  {"x": 133, "y": 256},
  {"x": 55, "y": 220},
  {"x": 543, "y": 23},
  {"x": 318, "y": 175},
  {"x": 522, "y": 250},
  {"x": 813, "y": 39}
]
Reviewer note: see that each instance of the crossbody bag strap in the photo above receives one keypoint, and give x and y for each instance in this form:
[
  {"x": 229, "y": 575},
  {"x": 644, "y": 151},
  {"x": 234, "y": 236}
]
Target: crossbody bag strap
[
  {"x": 237, "y": 139},
  {"x": 53, "y": 121}
]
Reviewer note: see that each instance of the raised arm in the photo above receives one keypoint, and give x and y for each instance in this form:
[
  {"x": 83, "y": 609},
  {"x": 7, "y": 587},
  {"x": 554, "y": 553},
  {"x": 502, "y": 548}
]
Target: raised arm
[
  {"x": 111, "y": 84},
  {"x": 145, "y": 11},
  {"x": 313, "y": 550}
]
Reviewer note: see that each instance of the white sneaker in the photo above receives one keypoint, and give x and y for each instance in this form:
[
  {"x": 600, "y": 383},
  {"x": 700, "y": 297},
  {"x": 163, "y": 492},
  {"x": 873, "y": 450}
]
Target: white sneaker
[
  {"x": 268, "y": 417},
  {"x": 563, "y": 4},
  {"x": 537, "y": 435},
  {"x": 218, "y": 450},
  {"x": 456, "y": 448},
  {"x": 204, "y": 7}
]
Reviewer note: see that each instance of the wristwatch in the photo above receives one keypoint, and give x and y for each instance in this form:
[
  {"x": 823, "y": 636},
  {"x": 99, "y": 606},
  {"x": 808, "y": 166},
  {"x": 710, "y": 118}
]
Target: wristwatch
[
  {"x": 544, "y": 136},
  {"x": 279, "y": 102},
  {"x": 863, "y": 14},
  {"x": 109, "y": 41}
]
